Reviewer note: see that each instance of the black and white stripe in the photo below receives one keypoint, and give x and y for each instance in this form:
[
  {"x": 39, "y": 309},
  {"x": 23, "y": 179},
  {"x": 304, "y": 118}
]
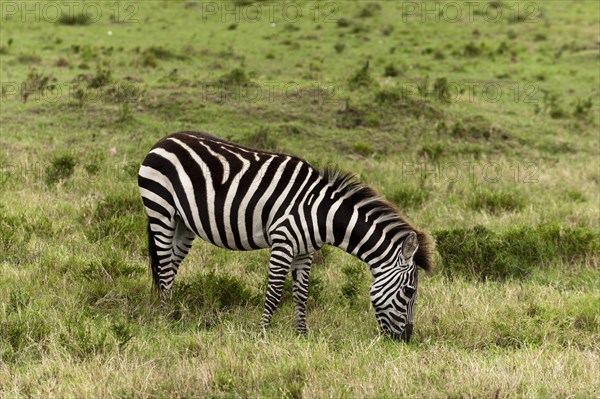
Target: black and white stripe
[{"x": 194, "y": 184}]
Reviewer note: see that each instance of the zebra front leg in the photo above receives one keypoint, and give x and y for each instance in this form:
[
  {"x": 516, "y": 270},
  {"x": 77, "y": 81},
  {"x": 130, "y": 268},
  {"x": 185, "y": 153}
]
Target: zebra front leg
[
  {"x": 279, "y": 265},
  {"x": 300, "y": 273}
]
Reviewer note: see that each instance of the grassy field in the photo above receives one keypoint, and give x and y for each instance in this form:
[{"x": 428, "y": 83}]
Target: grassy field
[{"x": 479, "y": 121}]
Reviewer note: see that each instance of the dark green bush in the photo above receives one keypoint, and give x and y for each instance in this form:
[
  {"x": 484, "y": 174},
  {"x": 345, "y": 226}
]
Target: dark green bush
[
  {"x": 74, "y": 19},
  {"x": 482, "y": 253},
  {"x": 85, "y": 337},
  {"x": 117, "y": 205},
  {"x": 119, "y": 218},
  {"x": 61, "y": 168},
  {"x": 262, "y": 139},
  {"x": 391, "y": 71},
  {"x": 471, "y": 50},
  {"x": 434, "y": 151},
  {"x": 343, "y": 23},
  {"x": 354, "y": 275},
  {"x": 13, "y": 238},
  {"x": 477, "y": 127},
  {"x": 395, "y": 102},
  {"x": 583, "y": 108},
  {"x": 235, "y": 77},
  {"x": 212, "y": 292},
  {"x": 408, "y": 196},
  {"x": 361, "y": 78},
  {"x": 497, "y": 199},
  {"x": 111, "y": 266},
  {"x": 362, "y": 148},
  {"x": 102, "y": 78}
]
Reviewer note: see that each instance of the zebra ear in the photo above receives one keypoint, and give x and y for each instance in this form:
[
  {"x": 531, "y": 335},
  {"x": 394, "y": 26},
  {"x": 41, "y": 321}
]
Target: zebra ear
[{"x": 410, "y": 245}]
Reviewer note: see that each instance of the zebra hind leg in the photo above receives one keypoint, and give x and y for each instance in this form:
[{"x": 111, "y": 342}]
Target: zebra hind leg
[
  {"x": 300, "y": 273},
  {"x": 180, "y": 246},
  {"x": 168, "y": 244},
  {"x": 160, "y": 240}
]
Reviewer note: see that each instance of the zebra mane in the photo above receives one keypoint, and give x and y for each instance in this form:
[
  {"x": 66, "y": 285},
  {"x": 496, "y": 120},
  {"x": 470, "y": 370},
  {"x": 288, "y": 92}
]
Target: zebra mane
[{"x": 347, "y": 184}]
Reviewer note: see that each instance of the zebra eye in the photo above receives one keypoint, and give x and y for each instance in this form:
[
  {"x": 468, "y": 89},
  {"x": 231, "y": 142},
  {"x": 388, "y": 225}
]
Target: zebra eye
[{"x": 409, "y": 291}]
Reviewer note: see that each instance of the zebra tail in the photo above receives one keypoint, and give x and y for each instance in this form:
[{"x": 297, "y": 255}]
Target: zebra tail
[{"x": 153, "y": 256}]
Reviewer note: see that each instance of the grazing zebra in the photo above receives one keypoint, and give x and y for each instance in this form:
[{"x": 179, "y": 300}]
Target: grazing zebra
[{"x": 193, "y": 184}]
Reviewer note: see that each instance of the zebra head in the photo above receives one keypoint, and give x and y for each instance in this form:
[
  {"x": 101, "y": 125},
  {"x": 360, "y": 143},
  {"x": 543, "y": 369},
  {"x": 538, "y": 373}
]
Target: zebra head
[{"x": 394, "y": 290}]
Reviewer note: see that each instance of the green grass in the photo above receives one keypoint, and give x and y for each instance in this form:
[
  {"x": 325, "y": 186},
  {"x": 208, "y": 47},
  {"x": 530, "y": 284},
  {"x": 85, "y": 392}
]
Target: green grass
[{"x": 507, "y": 185}]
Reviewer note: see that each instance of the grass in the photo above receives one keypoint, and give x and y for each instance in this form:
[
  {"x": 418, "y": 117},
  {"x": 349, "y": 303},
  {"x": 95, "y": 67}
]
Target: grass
[{"x": 507, "y": 185}]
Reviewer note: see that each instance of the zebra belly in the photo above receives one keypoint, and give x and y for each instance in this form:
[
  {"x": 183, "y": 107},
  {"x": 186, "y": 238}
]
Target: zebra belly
[{"x": 224, "y": 231}]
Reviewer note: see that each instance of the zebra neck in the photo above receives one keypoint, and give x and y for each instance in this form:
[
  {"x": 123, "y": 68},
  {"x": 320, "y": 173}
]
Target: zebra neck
[{"x": 369, "y": 231}]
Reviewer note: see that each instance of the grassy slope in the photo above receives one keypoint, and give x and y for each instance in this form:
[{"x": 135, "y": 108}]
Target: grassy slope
[{"x": 76, "y": 317}]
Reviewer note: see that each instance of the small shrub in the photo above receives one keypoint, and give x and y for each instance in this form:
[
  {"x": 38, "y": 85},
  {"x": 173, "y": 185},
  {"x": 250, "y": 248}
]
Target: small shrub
[
  {"x": 293, "y": 129},
  {"x": 115, "y": 205},
  {"x": 477, "y": 128},
  {"x": 162, "y": 53},
  {"x": 397, "y": 102},
  {"x": 102, "y": 78},
  {"x": 391, "y": 71},
  {"x": 262, "y": 139},
  {"x": 123, "y": 332},
  {"x": 354, "y": 275},
  {"x": 369, "y": 10},
  {"x": 583, "y": 108},
  {"x": 112, "y": 266},
  {"x": 408, "y": 196},
  {"x": 14, "y": 237},
  {"x": 362, "y": 148},
  {"x": 148, "y": 60},
  {"x": 482, "y": 254},
  {"x": 574, "y": 196},
  {"x": 36, "y": 83},
  {"x": 434, "y": 151},
  {"x": 61, "y": 168},
  {"x": 74, "y": 19},
  {"x": 362, "y": 78},
  {"x": 339, "y": 47},
  {"x": 471, "y": 50},
  {"x": 551, "y": 105},
  {"x": 497, "y": 200},
  {"x": 214, "y": 292},
  {"x": 360, "y": 28},
  {"x": 85, "y": 337},
  {"x": 61, "y": 62},
  {"x": 387, "y": 97},
  {"x": 120, "y": 218},
  {"x": 351, "y": 117},
  {"x": 387, "y": 29},
  {"x": 235, "y": 77},
  {"x": 540, "y": 37},
  {"x": 343, "y": 23},
  {"x": 440, "y": 88},
  {"x": 29, "y": 59}
]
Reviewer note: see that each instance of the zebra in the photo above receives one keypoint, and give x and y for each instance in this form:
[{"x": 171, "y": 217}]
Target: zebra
[{"x": 194, "y": 184}]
